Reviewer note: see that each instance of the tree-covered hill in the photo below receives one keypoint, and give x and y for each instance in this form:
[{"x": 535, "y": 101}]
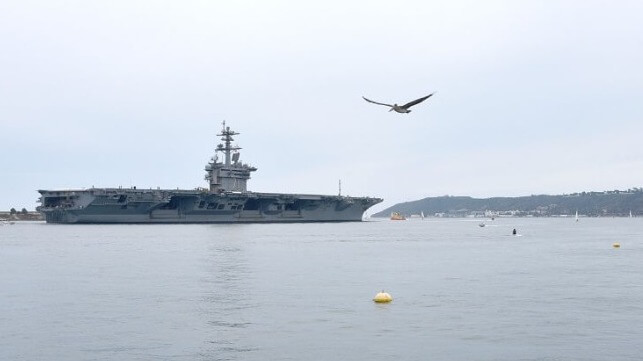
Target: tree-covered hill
[{"x": 609, "y": 203}]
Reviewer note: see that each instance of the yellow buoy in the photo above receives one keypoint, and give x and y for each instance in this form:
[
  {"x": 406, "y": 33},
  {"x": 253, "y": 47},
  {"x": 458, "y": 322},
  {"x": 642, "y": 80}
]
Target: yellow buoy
[
  {"x": 383, "y": 297},
  {"x": 616, "y": 245}
]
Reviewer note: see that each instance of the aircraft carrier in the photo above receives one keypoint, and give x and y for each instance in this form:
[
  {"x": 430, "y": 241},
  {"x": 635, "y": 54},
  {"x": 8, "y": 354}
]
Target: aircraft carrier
[{"x": 227, "y": 200}]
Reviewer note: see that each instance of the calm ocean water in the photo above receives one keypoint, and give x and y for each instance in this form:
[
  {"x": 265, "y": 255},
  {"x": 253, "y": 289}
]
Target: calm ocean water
[{"x": 558, "y": 291}]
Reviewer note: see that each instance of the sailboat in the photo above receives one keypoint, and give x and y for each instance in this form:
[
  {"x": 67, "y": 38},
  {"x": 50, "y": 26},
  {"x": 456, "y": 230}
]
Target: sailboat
[
  {"x": 422, "y": 214},
  {"x": 577, "y": 215},
  {"x": 630, "y": 213}
]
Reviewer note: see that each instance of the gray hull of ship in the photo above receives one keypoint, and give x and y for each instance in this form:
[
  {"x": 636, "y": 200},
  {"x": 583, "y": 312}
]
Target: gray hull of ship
[
  {"x": 82, "y": 217},
  {"x": 120, "y": 206}
]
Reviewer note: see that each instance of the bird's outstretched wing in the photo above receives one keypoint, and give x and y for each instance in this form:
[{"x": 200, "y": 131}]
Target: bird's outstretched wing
[
  {"x": 417, "y": 101},
  {"x": 370, "y": 101}
]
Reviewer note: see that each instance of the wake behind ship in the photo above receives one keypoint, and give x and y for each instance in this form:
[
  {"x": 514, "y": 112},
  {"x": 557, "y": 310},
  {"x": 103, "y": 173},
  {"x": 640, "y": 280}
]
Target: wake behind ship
[{"x": 226, "y": 201}]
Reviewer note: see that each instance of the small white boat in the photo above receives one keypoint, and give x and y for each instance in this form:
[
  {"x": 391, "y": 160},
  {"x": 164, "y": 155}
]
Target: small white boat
[
  {"x": 481, "y": 224},
  {"x": 576, "y": 215}
]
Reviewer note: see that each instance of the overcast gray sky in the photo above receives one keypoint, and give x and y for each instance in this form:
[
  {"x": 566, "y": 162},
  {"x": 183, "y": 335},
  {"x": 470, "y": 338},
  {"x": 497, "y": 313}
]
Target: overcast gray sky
[{"x": 533, "y": 96}]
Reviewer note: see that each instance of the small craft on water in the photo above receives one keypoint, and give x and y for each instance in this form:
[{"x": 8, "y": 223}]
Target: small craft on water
[
  {"x": 397, "y": 216},
  {"x": 481, "y": 224}
]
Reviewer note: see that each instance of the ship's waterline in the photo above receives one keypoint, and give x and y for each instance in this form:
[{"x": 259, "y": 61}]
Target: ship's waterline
[{"x": 226, "y": 201}]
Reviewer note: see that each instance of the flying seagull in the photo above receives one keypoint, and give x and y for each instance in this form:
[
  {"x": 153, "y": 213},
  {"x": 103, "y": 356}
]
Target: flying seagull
[{"x": 402, "y": 108}]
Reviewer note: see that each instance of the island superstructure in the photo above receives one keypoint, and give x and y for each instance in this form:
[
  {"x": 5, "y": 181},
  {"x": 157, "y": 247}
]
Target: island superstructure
[{"x": 227, "y": 200}]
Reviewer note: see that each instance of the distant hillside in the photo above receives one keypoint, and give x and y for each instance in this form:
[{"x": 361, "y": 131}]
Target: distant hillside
[{"x": 609, "y": 203}]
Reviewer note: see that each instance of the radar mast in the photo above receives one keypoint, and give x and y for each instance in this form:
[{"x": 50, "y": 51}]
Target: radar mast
[{"x": 227, "y": 147}]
